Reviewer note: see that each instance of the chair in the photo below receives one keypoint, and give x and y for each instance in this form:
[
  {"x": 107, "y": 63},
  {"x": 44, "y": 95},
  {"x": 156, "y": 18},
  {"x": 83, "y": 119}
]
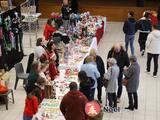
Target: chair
[
  {"x": 6, "y": 98},
  {"x": 20, "y": 74}
]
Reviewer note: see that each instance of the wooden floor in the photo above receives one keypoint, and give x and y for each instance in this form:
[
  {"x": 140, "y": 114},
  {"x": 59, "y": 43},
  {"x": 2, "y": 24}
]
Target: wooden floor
[{"x": 114, "y": 10}]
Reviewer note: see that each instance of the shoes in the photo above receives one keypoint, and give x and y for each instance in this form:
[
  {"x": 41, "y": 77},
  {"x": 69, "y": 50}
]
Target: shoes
[
  {"x": 146, "y": 71},
  {"x": 154, "y": 76},
  {"x": 118, "y": 100},
  {"x": 100, "y": 101},
  {"x": 129, "y": 108},
  {"x": 142, "y": 53},
  {"x": 135, "y": 107}
]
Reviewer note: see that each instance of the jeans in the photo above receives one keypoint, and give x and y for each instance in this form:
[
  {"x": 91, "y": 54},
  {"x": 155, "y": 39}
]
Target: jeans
[
  {"x": 112, "y": 98},
  {"x": 99, "y": 88},
  {"x": 155, "y": 58},
  {"x": 133, "y": 100},
  {"x": 92, "y": 94},
  {"x": 129, "y": 39},
  {"x": 120, "y": 87},
  {"x": 26, "y": 117}
]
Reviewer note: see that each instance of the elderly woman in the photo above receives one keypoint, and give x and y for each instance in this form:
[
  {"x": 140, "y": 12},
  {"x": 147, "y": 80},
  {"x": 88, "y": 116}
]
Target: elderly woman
[
  {"x": 112, "y": 77},
  {"x": 132, "y": 75}
]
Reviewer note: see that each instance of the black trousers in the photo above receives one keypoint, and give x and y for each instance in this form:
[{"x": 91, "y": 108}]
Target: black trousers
[
  {"x": 120, "y": 87},
  {"x": 112, "y": 98},
  {"x": 142, "y": 40},
  {"x": 133, "y": 100},
  {"x": 155, "y": 59},
  {"x": 92, "y": 94},
  {"x": 99, "y": 88}
]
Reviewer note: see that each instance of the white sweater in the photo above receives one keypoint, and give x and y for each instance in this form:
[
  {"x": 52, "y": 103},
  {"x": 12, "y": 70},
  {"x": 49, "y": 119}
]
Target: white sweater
[{"x": 153, "y": 42}]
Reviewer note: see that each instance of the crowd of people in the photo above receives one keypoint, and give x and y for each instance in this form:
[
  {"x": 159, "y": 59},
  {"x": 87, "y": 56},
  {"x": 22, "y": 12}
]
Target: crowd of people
[{"x": 120, "y": 70}]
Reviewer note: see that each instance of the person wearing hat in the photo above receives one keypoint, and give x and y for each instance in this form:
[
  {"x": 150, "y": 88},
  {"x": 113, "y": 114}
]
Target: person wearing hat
[
  {"x": 73, "y": 104},
  {"x": 132, "y": 74}
]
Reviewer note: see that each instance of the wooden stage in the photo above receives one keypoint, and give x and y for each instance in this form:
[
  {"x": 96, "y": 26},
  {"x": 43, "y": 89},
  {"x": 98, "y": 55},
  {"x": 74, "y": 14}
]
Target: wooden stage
[{"x": 115, "y": 10}]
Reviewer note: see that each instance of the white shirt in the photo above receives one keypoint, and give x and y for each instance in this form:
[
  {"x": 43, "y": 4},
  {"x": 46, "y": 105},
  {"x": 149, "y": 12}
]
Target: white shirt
[{"x": 39, "y": 50}]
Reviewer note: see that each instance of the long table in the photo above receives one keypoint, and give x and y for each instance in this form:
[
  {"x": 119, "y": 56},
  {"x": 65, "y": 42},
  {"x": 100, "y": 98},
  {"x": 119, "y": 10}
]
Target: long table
[{"x": 50, "y": 107}]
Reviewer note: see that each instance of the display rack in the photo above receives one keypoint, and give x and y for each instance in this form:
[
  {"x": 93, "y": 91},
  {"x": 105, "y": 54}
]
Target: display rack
[{"x": 30, "y": 21}]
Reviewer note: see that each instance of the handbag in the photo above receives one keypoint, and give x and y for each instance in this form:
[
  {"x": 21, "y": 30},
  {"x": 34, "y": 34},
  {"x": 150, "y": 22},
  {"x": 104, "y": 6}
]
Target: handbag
[
  {"x": 105, "y": 82},
  {"x": 125, "y": 81}
]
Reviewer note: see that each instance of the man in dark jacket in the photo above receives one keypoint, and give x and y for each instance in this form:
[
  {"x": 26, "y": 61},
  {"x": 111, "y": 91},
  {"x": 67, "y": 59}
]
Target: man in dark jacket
[
  {"x": 130, "y": 29},
  {"x": 73, "y": 104},
  {"x": 122, "y": 59},
  {"x": 132, "y": 75}
]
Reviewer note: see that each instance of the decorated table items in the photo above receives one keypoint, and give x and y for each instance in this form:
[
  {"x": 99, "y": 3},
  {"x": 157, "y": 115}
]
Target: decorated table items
[{"x": 49, "y": 110}]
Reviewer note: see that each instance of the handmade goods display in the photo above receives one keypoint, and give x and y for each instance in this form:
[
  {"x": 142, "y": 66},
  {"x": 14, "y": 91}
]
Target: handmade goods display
[
  {"x": 11, "y": 36},
  {"x": 82, "y": 34},
  {"x": 49, "y": 110}
]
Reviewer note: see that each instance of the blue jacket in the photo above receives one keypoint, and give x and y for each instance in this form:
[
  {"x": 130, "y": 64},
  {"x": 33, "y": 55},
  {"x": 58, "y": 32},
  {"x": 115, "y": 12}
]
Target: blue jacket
[
  {"x": 91, "y": 71},
  {"x": 130, "y": 26}
]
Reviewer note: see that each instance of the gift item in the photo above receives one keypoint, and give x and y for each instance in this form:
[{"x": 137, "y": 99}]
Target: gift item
[{"x": 49, "y": 91}]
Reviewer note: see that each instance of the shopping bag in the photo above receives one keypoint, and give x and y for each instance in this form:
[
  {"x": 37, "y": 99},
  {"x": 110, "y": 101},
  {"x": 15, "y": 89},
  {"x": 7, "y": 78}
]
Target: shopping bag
[
  {"x": 105, "y": 82},
  {"x": 125, "y": 81}
]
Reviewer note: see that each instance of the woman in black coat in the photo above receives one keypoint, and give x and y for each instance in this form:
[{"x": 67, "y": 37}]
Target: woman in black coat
[{"x": 101, "y": 69}]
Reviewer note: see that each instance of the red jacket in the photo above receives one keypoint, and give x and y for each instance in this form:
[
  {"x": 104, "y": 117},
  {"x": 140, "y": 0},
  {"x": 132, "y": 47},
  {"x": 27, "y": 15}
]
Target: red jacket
[
  {"x": 73, "y": 106},
  {"x": 48, "y": 30},
  {"x": 31, "y": 106}
]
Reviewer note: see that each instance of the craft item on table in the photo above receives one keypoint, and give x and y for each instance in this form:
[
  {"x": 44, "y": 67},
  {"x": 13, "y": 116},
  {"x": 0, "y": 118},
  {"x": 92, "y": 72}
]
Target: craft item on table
[
  {"x": 70, "y": 72},
  {"x": 49, "y": 91},
  {"x": 12, "y": 39},
  {"x": 49, "y": 110},
  {"x": 8, "y": 23}
]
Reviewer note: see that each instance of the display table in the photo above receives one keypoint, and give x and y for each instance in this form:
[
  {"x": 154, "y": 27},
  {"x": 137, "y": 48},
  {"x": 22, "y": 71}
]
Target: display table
[
  {"x": 69, "y": 67},
  {"x": 49, "y": 108}
]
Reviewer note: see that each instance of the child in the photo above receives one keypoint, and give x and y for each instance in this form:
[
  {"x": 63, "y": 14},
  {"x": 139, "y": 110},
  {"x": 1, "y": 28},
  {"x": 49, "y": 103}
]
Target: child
[{"x": 31, "y": 104}]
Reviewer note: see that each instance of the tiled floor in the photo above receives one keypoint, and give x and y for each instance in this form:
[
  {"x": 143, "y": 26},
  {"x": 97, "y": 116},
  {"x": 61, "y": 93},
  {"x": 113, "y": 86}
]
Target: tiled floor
[{"x": 149, "y": 90}]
